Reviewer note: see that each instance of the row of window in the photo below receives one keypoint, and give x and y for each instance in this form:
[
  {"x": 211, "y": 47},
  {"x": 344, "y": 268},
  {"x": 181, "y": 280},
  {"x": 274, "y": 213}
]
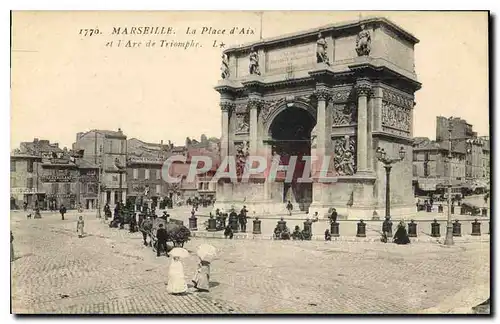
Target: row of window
[
  {"x": 156, "y": 174},
  {"x": 13, "y": 165}
]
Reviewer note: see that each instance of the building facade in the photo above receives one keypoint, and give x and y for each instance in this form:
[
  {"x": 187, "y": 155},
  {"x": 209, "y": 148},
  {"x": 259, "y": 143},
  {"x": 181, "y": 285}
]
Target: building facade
[
  {"x": 24, "y": 180},
  {"x": 60, "y": 182},
  {"x": 470, "y": 160},
  {"x": 108, "y": 150},
  {"x": 337, "y": 92}
]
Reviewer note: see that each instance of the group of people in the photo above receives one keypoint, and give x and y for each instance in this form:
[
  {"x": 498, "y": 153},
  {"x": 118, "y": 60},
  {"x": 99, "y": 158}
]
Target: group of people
[{"x": 236, "y": 222}]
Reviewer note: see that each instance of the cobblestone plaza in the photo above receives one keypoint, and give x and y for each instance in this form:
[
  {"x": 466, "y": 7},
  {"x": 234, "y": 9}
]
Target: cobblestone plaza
[{"x": 110, "y": 271}]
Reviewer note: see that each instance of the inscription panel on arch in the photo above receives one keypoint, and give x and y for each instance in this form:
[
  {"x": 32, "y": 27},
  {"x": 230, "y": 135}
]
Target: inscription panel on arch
[{"x": 294, "y": 57}]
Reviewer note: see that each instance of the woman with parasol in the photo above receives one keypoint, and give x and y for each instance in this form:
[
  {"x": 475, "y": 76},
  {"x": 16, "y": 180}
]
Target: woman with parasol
[
  {"x": 176, "y": 283},
  {"x": 206, "y": 254}
]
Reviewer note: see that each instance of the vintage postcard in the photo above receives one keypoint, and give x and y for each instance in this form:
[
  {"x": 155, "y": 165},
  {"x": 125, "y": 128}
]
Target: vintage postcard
[{"x": 244, "y": 162}]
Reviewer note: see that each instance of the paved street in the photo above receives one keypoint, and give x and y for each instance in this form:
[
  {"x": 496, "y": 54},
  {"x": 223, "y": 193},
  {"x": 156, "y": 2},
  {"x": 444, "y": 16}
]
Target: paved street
[{"x": 110, "y": 271}]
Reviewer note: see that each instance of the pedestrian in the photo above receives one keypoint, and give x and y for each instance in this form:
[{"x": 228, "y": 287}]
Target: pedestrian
[
  {"x": 289, "y": 207},
  {"x": 11, "y": 247},
  {"x": 176, "y": 283},
  {"x": 79, "y": 226},
  {"x": 333, "y": 216},
  {"x": 62, "y": 210},
  {"x": 201, "y": 278},
  {"x": 161, "y": 236},
  {"x": 133, "y": 224}
]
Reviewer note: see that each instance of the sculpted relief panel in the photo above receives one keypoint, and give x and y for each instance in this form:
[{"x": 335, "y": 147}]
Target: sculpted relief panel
[
  {"x": 344, "y": 114},
  {"x": 242, "y": 123},
  {"x": 345, "y": 155},
  {"x": 396, "y": 113}
]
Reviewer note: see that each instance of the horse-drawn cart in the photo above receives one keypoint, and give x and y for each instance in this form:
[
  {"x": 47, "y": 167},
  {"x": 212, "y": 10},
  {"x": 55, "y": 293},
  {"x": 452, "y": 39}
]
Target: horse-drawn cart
[{"x": 177, "y": 233}]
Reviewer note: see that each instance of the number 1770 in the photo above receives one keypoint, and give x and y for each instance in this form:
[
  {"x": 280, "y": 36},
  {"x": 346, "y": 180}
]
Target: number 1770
[{"x": 89, "y": 32}]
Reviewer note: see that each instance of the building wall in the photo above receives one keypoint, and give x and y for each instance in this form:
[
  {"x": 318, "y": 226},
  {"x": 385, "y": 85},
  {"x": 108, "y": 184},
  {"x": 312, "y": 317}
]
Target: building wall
[
  {"x": 24, "y": 180},
  {"x": 140, "y": 176},
  {"x": 60, "y": 184}
]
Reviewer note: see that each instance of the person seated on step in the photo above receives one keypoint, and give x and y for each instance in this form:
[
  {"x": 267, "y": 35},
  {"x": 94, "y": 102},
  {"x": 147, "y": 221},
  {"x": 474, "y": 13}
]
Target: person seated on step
[
  {"x": 297, "y": 233},
  {"x": 277, "y": 233},
  {"x": 401, "y": 236},
  {"x": 306, "y": 234},
  {"x": 328, "y": 236},
  {"x": 228, "y": 232},
  {"x": 285, "y": 234}
]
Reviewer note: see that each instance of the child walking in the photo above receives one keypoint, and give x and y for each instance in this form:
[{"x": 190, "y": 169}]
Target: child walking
[{"x": 79, "y": 226}]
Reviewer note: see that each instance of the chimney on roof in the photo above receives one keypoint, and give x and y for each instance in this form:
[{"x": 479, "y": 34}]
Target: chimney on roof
[
  {"x": 120, "y": 131},
  {"x": 35, "y": 140},
  {"x": 161, "y": 142}
]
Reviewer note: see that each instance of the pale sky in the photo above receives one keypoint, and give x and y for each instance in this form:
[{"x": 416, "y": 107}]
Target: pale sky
[{"x": 63, "y": 83}]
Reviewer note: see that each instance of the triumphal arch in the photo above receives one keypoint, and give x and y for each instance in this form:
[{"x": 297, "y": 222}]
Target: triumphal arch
[{"x": 339, "y": 91}]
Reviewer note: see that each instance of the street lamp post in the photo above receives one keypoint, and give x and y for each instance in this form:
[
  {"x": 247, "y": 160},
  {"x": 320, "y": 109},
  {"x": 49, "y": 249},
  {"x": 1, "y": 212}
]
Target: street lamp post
[
  {"x": 449, "y": 227},
  {"x": 388, "y": 162}
]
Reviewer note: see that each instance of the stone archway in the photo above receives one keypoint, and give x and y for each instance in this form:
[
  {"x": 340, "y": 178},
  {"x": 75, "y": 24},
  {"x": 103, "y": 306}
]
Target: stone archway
[{"x": 290, "y": 133}]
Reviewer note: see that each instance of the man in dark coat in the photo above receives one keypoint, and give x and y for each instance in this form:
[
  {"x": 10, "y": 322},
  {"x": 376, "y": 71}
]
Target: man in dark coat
[
  {"x": 161, "y": 236},
  {"x": 243, "y": 219},
  {"x": 232, "y": 216},
  {"x": 62, "y": 210},
  {"x": 333, "y": 216}
]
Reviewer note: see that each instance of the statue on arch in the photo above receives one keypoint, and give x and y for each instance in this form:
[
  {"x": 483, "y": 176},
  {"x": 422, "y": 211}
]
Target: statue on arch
[
  {"x": 321, "y": 46},
  {"x": 254, "y": 62},
  {"x": 363, "y": 42},
  {"x": 225, "y": 67}
]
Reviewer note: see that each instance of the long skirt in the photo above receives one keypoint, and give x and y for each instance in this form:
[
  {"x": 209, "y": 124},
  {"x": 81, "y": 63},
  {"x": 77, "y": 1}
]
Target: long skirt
[
  {"x": 201, "y": 278},
  {"x": 176, "y": 283}
]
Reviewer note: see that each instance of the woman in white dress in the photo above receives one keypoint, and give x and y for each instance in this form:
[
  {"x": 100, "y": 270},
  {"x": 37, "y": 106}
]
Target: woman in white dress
[{"x": 176, "y": 282}]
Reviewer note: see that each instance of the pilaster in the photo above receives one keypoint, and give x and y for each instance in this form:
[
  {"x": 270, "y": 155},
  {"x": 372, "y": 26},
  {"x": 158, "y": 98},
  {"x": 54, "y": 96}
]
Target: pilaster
[{"x": 363, "y": 89}]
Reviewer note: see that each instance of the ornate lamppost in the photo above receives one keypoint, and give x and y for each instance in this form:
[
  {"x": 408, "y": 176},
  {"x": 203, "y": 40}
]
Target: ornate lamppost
[
  {"x": 449, "y": 226},
  {"x": 388, "y": 162}
]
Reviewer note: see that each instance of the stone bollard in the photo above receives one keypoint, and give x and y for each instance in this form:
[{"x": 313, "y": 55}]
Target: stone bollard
[
  {"x": 412, "y": 229},
  {"x": 334, "y": 229},
  {"x": 457, "y": 228},
  {"x": 193, "y": 223},
  {"x": 234, "y": 224},
  {"x": 440, "y": 208},
  {"x": 484, "y": 212},
  {"x": 476, "y": 228},
  {"x": 212, "y": 224},
  {"x": 435, "y": 232},
  {"x": 256, "y": 226},
  {"x": 361, "y": 229},
  {"x": 281, "y": 224}
]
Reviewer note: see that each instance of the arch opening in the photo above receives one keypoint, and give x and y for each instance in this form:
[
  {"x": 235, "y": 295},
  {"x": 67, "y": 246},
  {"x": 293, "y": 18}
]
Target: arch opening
[{"x": 290, "y": 132}]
